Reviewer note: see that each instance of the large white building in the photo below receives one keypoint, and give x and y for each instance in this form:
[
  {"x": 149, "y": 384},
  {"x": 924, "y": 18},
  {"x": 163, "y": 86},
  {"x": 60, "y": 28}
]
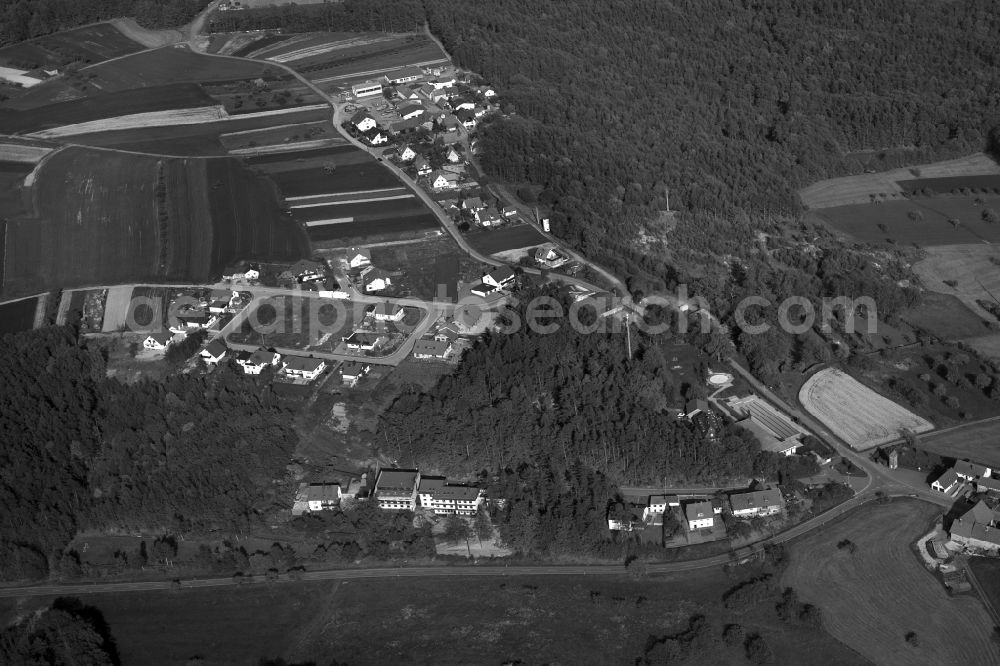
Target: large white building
[
  {"x": 301, "y": 367},
  {"x": 442, "y": 497},
  {"x": 699, "y": 515},
  {"x": 978, "y": 528},
  {"x": 396, "y": 488},
  {"x": 367, "y": 89}
]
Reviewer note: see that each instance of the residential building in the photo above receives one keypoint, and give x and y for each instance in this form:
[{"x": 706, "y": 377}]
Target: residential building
[
  {"x": 407, "y": 111},
  {"x": 548, "y": 257},
  {"x": 407, "y": 154},
  {"x": 474, "y": 204},
  {"x": 367, "y": 89},
  {"x": 699, "y": 515},
  {"x": 431, "y": 349},
  {"x": 363, "y": 121},
  {"x": 305, "y": 270},
  {"x": 659, "y": 504},
  {"x": 352, "y": 372},
  {"x": 422, "y": 166},
  {"x": 406, "y": 93},
  {"x": 467, "y": 117},
  {"x": 323, "y": 496},
  {"x": 483, "y": 289},
  {"x": 450, "y": 122},
  {"x": 443, "y": 82},
  {"x": 375, "y": 279},
  {"x": 363, "y": 341},
  {"x": 193, "y": 319},
  {"x": 359, "y": 257},
  {"x": 158, "y": 341},
  {"x": 948, "y": 483},
  {"x": 213, "y": 352},
  {"x": 453, "y": 156},
  {"x": 442, "y": 180},
  {"x": 404, "y": 75},
  {"x": 302, "y": 367},
  {"x": 500, "y": 277},
  {"x": 977, "y": 528},
  {"x": 445, "y": 498},
  {"x": 989, "y": 485},
  {"x": 487, "y": 92},
  {"x": 405, "y": 125},
  {"x": 757, "y": 503},
  {"x": 450, "y": 137},
  {"x": 253, "y": 363},
  {"x": 376, "y": 137},
  {"x": 252, "y": 273},
  {"x": 396, "y": 488},
  {"x": 387, "y": 311},
  {"x": 971, "y": 471}
]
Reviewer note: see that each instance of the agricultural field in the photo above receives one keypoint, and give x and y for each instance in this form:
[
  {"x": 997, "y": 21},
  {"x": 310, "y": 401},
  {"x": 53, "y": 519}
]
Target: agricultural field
[
  {"x": 369, "y": 59},
  {"x": 171, "y": 118},
  {"x": 885, "y": 185},
  {"x": 172, "y": 64},
  {"x": 855, "y": 413},
  {"x": 491, "y": 241},
  {"x": 90, "y": 44},
  {"x": 987, "y": 184},
  {"x": 873, "y": 597},
  {"x": 426, "y": 265},
  {"x": 974, "y": 441},
  {"x": 552, "y": 619},
  {"x": 281, "y": 134},
  {"x": 972, "y": 272},
  {"x": 159, "y": 98},
  {"x": 17, "y": 316},
  {"x": 361, "y": 212},
  {"x": 387, "y": 229},
  {"x": 917, "y": 221},
  {"x": 299, "y": 47},
  {"x": 947, "y": 317},
  {"x": 301, "y": 182},
  {"x": 987, "y": 573}
]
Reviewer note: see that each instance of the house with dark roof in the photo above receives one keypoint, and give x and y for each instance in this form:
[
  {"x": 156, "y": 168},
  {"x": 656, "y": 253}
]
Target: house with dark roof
[
  {"x": 404, "y": 75},
  {"x": 351, "y": 372},
  {"x": 407, "y": 111},
  {"x": 303, "y": 367},
  {"x": 977, "y": 528},
  {"x": 500, "y": 277},
  {"x": 467, "y": 117},
  {"x": 396, "y": 489},
  {"x": 213, "y": 352},
  {"x": 445, "y": 498},
  {"x": 971, "y": 471},
  {"x": 376, "y": 137},
  {"x": 363, "y": 341},
  {"x": 948, "y": 483},
  {"x": 375, "y": 279},
  {"x": 387, "y": 311},
  {"x": 363, "y": 121},
  {"x": 422, "y": 166},
  {"x": 323, "y": 496},
  {"x": 990, "y": 485},
  {"x": 431, "y": 349},
  {"x": 158, "y": 341},
  {"x": 405, "y": 125},
  {"x": 483, "y": 290},
  {"x": 358, "y": 257},
  {"x": 305, "y": 270},
  {"x": 253, "y": 363},
  {"x": 757, "y": 503},
  {"x": 699, "y": 515}
]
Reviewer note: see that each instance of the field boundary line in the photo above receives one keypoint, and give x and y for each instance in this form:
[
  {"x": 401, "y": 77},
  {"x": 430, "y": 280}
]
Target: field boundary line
[
  {"x": 332, "y": 194},
  {"x": 353, "y": 201}
]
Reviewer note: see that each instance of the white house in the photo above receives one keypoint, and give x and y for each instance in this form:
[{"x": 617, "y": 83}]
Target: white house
[
  {"x": 396, "y": 489},
  {"x": 352, "y": 371},
  {"x": 252, "y": 273},
  {"x": 444, "y": 498},
  {"x": 473, "y": 204},
  {"x": 948, "y": 483},
  {"x": 363, "y": 341},
  {"x": 189, "y": 320},
  {"x": 358, "y": 257},
  {"x": 971, "y": 471},
  {"x": 453, "y": 156},
  {"x": 442, "y": 180},
  {"x": 254, "y": 363},
  {"x": 758, "y": 503},
  {"x": 500, "y": 277},
  {"x": 482, "y": 289},
  {"x": 301, "y": 367},
  {"x": 388, "y": 312},
  {"x": 431, "y": 348},
  {"x": 407, "y": 111},
  {"x": 422, "y": 165},
  {"x": 407, "y": 154},
  {"x": 323, "y": 496},
  {"x": 699, "y": 515},
  {"x": 376, "y": 137},
  {"x": 487, "y": 91},
  {"x": 363, "y": 121},
  {"x": 375, "y": 279},
  {"x": 367, "y": 89},
  {"x": 213, "y": 352},
  {"x": 158, "y": 341}
]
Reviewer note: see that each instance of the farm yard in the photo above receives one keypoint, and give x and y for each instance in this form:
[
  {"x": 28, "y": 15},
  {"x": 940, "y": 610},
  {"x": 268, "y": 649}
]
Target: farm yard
[
  {"x": 855, "y": 413},
  {"x": 491, "y": 241},
  {"x": 874, "y": 594}
]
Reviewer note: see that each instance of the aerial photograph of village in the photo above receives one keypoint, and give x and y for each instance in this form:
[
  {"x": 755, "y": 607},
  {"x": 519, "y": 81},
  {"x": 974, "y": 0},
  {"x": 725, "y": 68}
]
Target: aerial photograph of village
[{"x": 499, "y": 332}]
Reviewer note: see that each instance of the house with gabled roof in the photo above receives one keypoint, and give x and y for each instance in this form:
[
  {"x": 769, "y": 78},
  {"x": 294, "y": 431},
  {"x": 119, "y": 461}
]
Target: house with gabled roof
[
  {"x": 407, "y": 111},
  {"x": 766, "y": 502},
  {"x": 500, "y": 277},
  {"x": 990, "y": 485},
  {"x": 363, "y": 341},
  {"x": 407, "y": 154},
  {"x": 422, "y": 165},
  {"x": 453, "y": 156},
  {"x": 450, "y": 122},
  {"x": 473, "y": 204},
  {"x": 977, "y": 528},
  {"x": 387, "y": 311},
  {"x": 376, "y": 137},
  {"x": 948, "y": 483},
  {"x": 158, "y": 341},
  {"x": 442, "y": 180},
  {"x": 351, "y": 372},
  {"x": 404, "y": 75},
  {"x": 358, "y": 257},
  {"x": 467, "y": 117},
  {"x": 303, "y": 367},
  {"x": 213, "y": 352},
  {"x": 323, "y": 496},
  {"x": 435, "y": 348},
  {"x": 375, "y": 279},
  {"x": 405, "y": 125},
  {"x": 483, "y": 290},
  {"x": 405, "y": 92},
  {"x": 699, "y": 515},
  {"x": 253, "y": 363},
  {"x": 444, "y": 498},
  {"x": 363, "y": 121},
  {"x": 971, "y": 471}
]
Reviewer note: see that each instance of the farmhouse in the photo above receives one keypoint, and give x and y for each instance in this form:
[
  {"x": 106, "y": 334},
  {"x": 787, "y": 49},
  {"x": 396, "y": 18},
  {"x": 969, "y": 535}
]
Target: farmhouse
[
  {"x": 407, "y": 111},
  {"x": 301, "y": 367},
  {"x": 775, "y": 431},
  {"x": 699, "y": 515},
  {"x": 367, "y": 89},
  {"x": 396, "y": 488},
  {"x": 254, "y": 363},
  {"x": 949, "y": 483},
  {"x": 213, "y": 352},
  {"x": 388, "y": 312},
  {"x": 323, "y": 496},
  {"x": 990, "y": 485},
  {"x": 971, "y": 471},
  {"x": 445, "y": 498},
  {"x": 977, "y": 528},
  {"x": 358, "y": 257},
  {"x": 352, "y": 372},
  {"x": 363, "y": 121},
  {"x": 758, "y": 503},
  {"x": 363, "y": 341},
  {"x": 158, "y": 341},
  {"x": 658, "y": 504},
  {"x": 431, "y": 348},
  {"x": 500, "y": 277},
  {"x": 404, "y": 75}
]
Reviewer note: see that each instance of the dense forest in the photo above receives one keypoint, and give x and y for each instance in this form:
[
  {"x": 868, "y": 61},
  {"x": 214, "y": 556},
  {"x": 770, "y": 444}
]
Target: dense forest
[
  {"x": 83, "y": 451},
  {"x": 68, "y": 632},
  {"x": 346, "y": 16},
  {"x": 26, "y": 19},
  {"x": 562, "y": 398}
]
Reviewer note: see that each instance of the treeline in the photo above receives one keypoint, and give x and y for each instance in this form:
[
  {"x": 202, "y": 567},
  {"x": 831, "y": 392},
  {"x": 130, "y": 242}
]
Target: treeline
[
  {"x": 82, "y": 451},
  {"x": 27, "y": 19},
  {"x": 66, "y": 633},
  {"x": 561, "y": 397},
  {"x": 347, "y": 16}
]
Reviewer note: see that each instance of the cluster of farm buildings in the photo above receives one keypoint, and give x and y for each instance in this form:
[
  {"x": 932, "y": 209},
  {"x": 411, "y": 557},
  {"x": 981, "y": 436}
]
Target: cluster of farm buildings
[{"x": 978, "y": 529}]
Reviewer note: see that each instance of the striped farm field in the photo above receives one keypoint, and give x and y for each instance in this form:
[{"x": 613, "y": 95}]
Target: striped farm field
[
  {"x": 871, "y": 598},
  {"x": 855, "y": 413}
]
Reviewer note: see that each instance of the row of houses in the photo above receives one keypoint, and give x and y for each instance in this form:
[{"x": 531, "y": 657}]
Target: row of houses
[
  {"x": 403, "y": 489},
  {"x": 702, "y": 514},
  {"x": 978, "y": 528},
  {"x": 964, "y": 474}
]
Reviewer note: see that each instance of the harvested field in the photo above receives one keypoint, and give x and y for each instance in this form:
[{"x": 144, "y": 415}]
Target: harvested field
[
  {"x": 370, "y": 58},
  {"x": 247, "y": 49},
  {"x": 974, "y": 268},
  {"x": 371, "y": 231},
  {"x": 12, "y": 152},
  {"x": 859, "y": 189},
  {"x": 160, "y": 98},
  {"x": 194, "y": 116},
  {"x": 946, "y": 317},
  {"x": 17, "y": 316},
  {"x": 306, "y": 182},
  {"x": 974, "y": 441},
  {"x": 873, "y": 597},
  {"x": 281, "y": 134},
  {"x": 320, "y": 44},
  {"x": 855, "y": 413},
  {"x": 168, "y": 65},
  {"x": 987, "y": 345},
  {"x": 346, "y": 197},
  {"x": 92, "y": 43},
  {"x": 508, "y": 238},
  {"x": 361, "y": 212}
]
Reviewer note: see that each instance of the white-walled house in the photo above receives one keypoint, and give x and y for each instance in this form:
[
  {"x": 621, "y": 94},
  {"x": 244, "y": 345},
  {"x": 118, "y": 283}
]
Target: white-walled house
[
  {"x": 363, "y": 121},
  {"x": 302, "y": 367},
  {"x": 255, "y": 362},
  {"x": 388, "y": 312},
  {"x": 358, "y": 257},
  {"x": 323, "y": 496},
  {"x": 500, "y": 277},
  {"x": 948, "y": 483},
  {"x": 758, "y": 503},
  {"x": 158, "y": 341},
  {"x": 352, "y": 372},
  {"x": 213, "y": 352},
  {"x": 431, "y": 348},
  {"x": 971, "y": 471},
  {"x": 396, "y": 489},
  {"x": 444, "y": 498},
  {"x": 699, "y": 515},
  {"x": 406, "y": 154}
]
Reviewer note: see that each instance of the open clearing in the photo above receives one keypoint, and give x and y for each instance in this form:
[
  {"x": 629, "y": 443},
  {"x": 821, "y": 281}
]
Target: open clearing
[
  {"x": 947, "y": 317},
  {"x": 488, "y": 620},
  {"x": 975, "y": 441},
  {"x": 507, "y": 238},
  {"x": 855, "y": 413},
  {"x": 872, "y": 598},
  {"x": 975, "y": 269},
  {"x": 92, "y": 43},
  {"x": 859, "y": 189}
]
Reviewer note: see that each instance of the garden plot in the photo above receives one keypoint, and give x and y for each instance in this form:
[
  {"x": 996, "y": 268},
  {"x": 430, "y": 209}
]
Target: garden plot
[{"x": 855, "y": 413}]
